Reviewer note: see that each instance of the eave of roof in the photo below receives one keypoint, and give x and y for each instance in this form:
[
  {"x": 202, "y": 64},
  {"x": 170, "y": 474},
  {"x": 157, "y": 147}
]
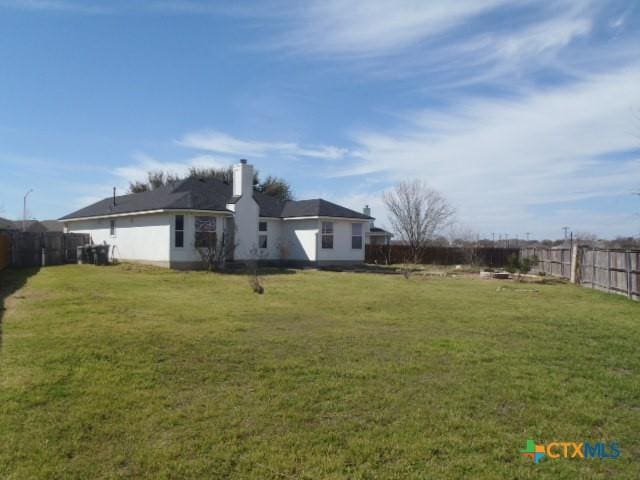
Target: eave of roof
[
  {"x": 148, "y": 212},
  {"x": 324, "y": 217}
]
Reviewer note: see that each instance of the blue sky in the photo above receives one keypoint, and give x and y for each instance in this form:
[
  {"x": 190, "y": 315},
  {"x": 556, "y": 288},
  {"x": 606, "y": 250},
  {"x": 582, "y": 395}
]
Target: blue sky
[{"x": 525, "y": 114}]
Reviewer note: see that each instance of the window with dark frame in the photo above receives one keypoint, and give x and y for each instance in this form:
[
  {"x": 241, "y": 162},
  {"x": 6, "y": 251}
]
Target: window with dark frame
[
  {"x": 262, "y": 241},
  {"x": 356, "y": 236},
  {"x": 327, "y": 235},
  {"x": 179, "y": 231},
  {"x": 112, "y": 228},
  {"x": 262, "y": 226},
  {"x": 205, "y": 232}
]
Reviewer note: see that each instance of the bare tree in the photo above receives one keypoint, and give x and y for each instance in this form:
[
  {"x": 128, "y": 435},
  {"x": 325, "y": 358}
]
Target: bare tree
[
  {"x": 418, "y": 213},
  {"x": 462, "y": 236},
  {"x": 467, "y": 239},
  {"x": 586, "y": 238}
]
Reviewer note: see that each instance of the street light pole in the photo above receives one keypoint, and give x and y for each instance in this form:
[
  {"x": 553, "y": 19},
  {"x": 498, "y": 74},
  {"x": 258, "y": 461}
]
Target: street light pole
[{"x": 24, "y": 210}]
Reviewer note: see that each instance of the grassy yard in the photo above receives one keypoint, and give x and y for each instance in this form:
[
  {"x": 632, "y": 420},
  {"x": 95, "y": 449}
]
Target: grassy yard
[{"x": 130, "y": 372}]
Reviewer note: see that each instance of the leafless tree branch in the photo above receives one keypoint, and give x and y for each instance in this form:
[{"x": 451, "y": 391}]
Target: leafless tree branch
[{"x": 418, "y": 213}]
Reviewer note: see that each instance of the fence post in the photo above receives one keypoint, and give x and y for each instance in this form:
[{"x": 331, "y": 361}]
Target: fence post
[
  {"x": 627, "y": 257},
  {"x": 575, "y": 264},
  {"x": 608, "y": 270},
  {"x": 535, "y": 255},
  {"x": 593, "y": 264}
]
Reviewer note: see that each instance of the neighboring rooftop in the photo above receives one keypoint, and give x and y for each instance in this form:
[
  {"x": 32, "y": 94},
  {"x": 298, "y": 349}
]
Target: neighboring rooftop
[
  {"x": 34, "y": 226},
  {"x": 208, "y": 194},
  {"x": 6, "y": 224},
  {"x": 379, "y": 230}
]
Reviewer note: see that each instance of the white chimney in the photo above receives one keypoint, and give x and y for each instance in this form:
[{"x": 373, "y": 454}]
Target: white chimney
[
  {"x": 367, "y": 211},
  {"x": 242, "y": 178}
]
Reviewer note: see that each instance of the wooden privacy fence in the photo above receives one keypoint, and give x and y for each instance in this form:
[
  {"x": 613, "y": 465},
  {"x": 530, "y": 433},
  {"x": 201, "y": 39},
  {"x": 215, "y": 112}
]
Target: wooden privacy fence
[
  {"x": 551, "y": 261},
  {"x": 5, "y": 250},
  {"x": 29, "y": 249},
  {"x": 492, "y": 257},
  {"x": 616, "y": 271},
  {"x": 612, "y": 270}
]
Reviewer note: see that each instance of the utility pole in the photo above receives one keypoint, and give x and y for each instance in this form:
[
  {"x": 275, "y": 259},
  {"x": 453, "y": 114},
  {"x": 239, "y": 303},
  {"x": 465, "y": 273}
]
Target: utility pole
[
  {"x": 527, "y": 234},
  {"x": 566, "y": 229},
  {"x": 24, "y": 210}
]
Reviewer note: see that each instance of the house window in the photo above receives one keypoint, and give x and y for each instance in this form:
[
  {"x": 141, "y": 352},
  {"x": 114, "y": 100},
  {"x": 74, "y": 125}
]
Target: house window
[
  {"x": 262, "y": 226},
  {"x": 262, "y": 241},
  {"x": 327, "y": 234},
  {"x": 112, "y": 228},
  {"x": 356, "y": 236},
  {"x": 205, "y": 232},
  {"x": 179, "y": 231}
]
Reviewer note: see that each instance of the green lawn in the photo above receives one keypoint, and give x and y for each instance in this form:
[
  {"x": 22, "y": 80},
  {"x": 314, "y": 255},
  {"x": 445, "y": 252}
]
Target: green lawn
[{"x": 130, "y": 372}]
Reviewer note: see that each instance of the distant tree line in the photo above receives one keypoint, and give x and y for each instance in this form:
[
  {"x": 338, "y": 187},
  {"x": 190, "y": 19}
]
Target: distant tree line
[{"x": 273, "y": 186}]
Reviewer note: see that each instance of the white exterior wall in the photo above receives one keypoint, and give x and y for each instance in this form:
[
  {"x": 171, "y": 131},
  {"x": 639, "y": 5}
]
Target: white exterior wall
[
  {"x": 137, "y": 237},
  {"x": 300, "y": 237},
  {"x": 150, "y": 238},
  {"x": 246, "y": 213},
  {"x": 188, "y": 253},
  {"x": 274, "y": 239},
  {"x": 341, "y": 250}
]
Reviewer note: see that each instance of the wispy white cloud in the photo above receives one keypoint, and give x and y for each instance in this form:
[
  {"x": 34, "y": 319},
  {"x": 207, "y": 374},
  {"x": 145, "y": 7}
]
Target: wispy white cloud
[
  {"x": 373, "y": 27},
  {"x": 540, "y": 38},
  {"x": 222, "y": 143},
  {"x": 83, "y": 7},
  {"x": 499, "y": 159},
  {"x": 453, "y": 45}
]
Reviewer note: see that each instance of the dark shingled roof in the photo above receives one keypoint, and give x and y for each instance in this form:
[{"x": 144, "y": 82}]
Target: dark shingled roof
[
  {"x": 52, "y": 225},
  {"x": 319, "y": 207},
  {"x": 378, "y": 230},
  {"x": 209, "y": 194}
]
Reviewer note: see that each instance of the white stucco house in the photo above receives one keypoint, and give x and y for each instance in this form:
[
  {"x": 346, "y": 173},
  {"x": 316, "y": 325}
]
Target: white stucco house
[{"x": 165, "y": 226}]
